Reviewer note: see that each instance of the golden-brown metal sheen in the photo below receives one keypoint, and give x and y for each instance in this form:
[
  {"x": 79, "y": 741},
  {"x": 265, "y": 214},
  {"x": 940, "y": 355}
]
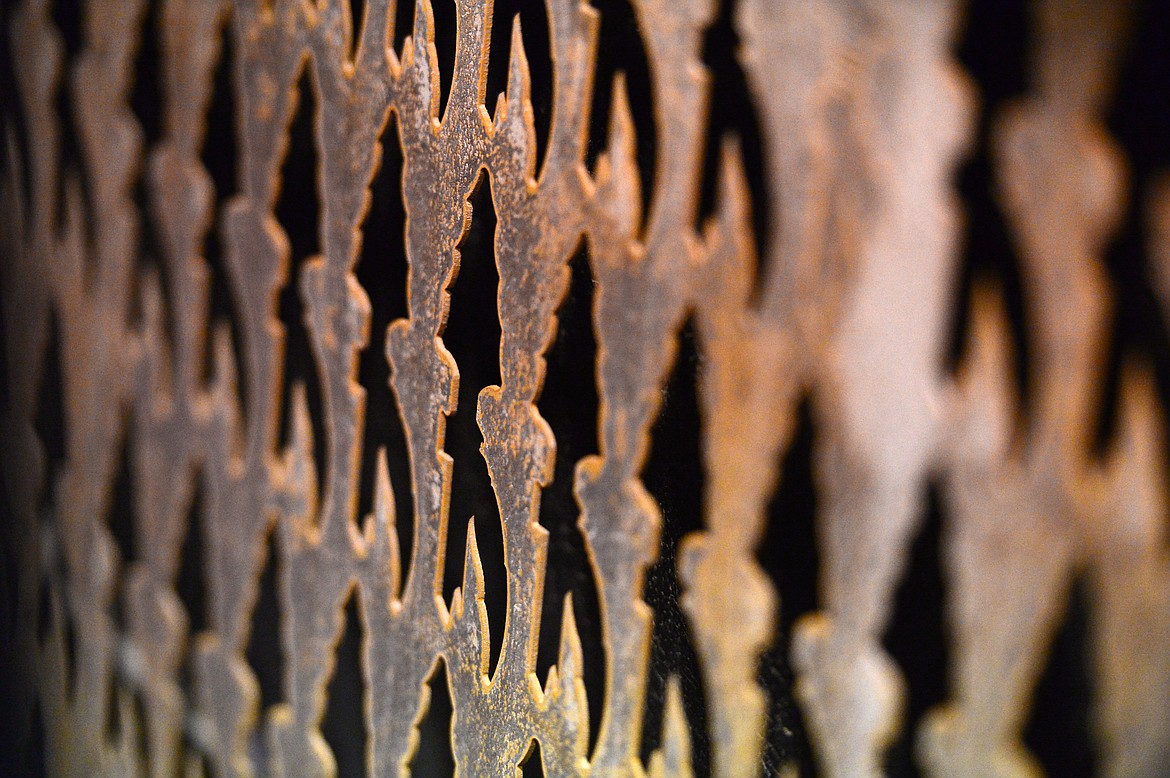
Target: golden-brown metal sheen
[{"x": 865, "y": 116}]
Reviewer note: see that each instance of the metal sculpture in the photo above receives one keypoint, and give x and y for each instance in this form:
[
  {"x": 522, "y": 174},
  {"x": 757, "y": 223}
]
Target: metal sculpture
[{"x": 865, "y": 115}]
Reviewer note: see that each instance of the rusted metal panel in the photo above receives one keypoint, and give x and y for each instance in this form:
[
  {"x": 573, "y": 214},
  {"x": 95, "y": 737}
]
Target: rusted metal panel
[{"x": 865, "y": 115}]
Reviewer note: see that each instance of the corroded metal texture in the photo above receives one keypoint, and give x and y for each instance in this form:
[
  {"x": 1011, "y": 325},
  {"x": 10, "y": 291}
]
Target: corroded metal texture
[{"x": 864, "y": 117}]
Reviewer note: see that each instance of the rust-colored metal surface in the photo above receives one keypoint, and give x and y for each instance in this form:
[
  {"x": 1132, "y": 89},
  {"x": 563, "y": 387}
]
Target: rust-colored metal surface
[{"x": 864, "y": 117}]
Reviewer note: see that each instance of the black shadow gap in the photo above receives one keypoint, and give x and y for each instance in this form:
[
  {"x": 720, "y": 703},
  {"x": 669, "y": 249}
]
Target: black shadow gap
[
  {"x": 789, "y": 554},
  {"x": 534, "y": 30},
  {"x": 264, "y": 652},
  {"x": 298, "y": 211},
  {"x": 446, "y": 36},
  {"x": 382, "y": 272},
  {"x": 357, "y": 21},
  {"x": 472, "y": 335},
  {"x": 344, "y": 723},
  {"x": 532, "y": 766},
  {"x": 219, "y": 158},
  {"x": 916, "y": 636},
  {"x": 1139, "y": 121},
  {"x": 434, "y": 758},
  {"x": 993, "y": 50},
  {"x": 620, "y": 50},
  {"x": 569, "y": 404},
  {"x": 1060, "y": 725},
  {"x": 674, "y": 476},
  {"x": 733, "y": 113}
]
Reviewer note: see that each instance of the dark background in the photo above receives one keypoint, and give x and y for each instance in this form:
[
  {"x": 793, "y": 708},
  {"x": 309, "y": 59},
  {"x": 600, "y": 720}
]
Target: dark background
[{"x": 992, "y": 48}]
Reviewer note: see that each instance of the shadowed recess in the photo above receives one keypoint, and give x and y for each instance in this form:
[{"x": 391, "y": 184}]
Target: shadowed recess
[
  {"x": 1059, "y": 725},
  {"x": 150, "y": 263},
  {"x": 531, "y": 765},
  {"x": 120, "y": 518},
  {"x": 146, "y": 93},
  {"x": 674, "y": 476},
  {"x": 1139, "y": 122},
  {"x": 13, "y": 601},
  {"x": 569, "y": 404},
  {"x": 44, "y": 611},
  {"x": 789, "y": 556},
  {"x": 733, "y": 114},
  {"x": 620, "y": 50},
  {"x": 298, "y": 206},
  {"x": 357, "y": 18},
  {"x": 50, "y": 420},
  {"x": 264, "y": 652},
  {"x": 50, "y": 621},
  {"x": 72, "y": 159},
  {"x": 191, "y": 584},
  {"x": 68, "y": 18},
  {"x": 127, "y": 722},
  {"x": 149, "y": 260},
  {"x": 69, "y": 636},
  {"x": 191, "y": 587},
  {"x": 112, "y": 721},
  {"x": 916, "y": 636},
  {"x": 117, "y": 727},
  {"x": 18, "y": 584},
  {"x": 1140, "y": 116},
  {"x": 344, "y": 725},
  {"x": 218, "y": 156},
  {"x": 1138, "y": 333},
  {"x": 381, "y": 271},
  {"x": 298, "y": 212},
  {"x": 146, "y": 102},
  {"x": 434, "y": 758},
  {"x": 534, "y": 29},
  {"x": 445, "y": 44},
  {"x": 13, "y": 161},
  {"x": 472, "y": 336},
  {"x": 403, "y": 24},
  {"x": 993, "y": 51}
]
